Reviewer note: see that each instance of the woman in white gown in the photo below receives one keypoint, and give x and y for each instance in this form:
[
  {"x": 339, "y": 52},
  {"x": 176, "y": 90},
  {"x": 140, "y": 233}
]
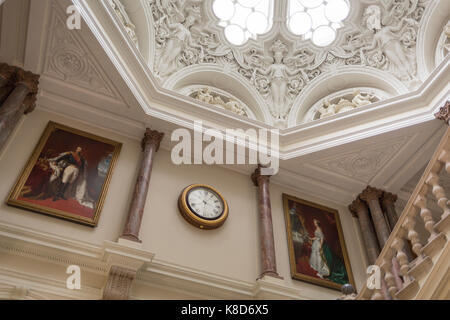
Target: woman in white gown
[{"x": 317, "y": 260}]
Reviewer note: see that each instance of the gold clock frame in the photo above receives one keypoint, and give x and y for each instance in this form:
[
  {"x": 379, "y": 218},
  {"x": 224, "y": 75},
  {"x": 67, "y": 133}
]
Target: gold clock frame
[{"x": 193, "y": 218}]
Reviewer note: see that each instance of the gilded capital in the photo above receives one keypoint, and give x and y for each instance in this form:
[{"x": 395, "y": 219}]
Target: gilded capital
[
  {"x": 444, "y": 113},
  {"x": 257, "y": 177},
  {"x": 357, "y": 206},
  {"x": 152, "y": 137},
  {"x": 371, "y": 193}
]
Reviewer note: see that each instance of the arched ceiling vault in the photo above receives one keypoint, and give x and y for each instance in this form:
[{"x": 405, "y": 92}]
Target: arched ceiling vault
[
  {"x": 244, "y": 72},
  {"x": 277, "y": 51}
]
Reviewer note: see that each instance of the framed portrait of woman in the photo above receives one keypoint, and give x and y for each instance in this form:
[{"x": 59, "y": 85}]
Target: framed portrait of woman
[
  {"x": 317, "y": 249},
  {"x": 67, "y": 176}
]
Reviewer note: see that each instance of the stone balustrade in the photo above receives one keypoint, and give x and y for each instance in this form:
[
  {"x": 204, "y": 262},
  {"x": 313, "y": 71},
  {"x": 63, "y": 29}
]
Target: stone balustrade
[{"x": 415, "y": 218}]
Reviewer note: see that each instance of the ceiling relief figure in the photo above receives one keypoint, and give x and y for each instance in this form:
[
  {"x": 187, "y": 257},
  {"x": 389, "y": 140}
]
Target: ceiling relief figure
[
  {"x": 122, "y": 14},
  {"x": 345, "y": 104},
  {"x": 446, "y": 46},
  {"x": 280, "y": 77},
  {"x": 207, "y": 96},
  {"x": 395, "y": 44},
  {"x": 280, "y": 70}
]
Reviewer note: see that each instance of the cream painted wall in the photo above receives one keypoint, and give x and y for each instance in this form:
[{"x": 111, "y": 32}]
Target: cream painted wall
[
  {"x": 13, "y": 159},
  {"x": 231, "y": 251}
]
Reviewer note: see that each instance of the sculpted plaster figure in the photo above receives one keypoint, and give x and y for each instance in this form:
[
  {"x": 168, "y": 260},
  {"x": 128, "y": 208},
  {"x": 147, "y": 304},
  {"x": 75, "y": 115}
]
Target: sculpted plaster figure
[
  {"x": 207, "y": 96},
  {"x": 280, "y": 71},
  {"x": 327, "y": 110},
  {"x": 125, "y": 19},
  {"x": 447, "y": 42},
  {"x": 235, "y": 107},
  {"x": 204, "y": 95},
  {"x": 359, "y": 100},
  {"x": 179, "y": 39},
  {"x": 278, "y": 74},
  {"x": 387, "y": 40}
]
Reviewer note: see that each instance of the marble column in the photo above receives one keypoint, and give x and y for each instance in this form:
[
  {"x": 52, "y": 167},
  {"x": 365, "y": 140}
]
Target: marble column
[
  {"x": 268, "y": 259},
  {"x": 7, "y": 76},
  {"x": 150, "y": 145},
  {"x": 359, "y": 209},
  {"x": 372, "y": 197},
  {"x": 388, "y": 200},
  {"x": 20, "y": 101}
]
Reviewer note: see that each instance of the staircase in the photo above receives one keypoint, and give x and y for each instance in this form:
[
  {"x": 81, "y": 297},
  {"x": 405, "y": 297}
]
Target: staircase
[{"x": 425, "y": 225}]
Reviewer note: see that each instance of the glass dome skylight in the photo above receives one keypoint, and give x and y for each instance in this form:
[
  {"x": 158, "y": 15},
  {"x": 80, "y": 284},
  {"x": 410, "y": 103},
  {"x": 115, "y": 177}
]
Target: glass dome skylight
[
  {"x": 244, "y": 19},
  {"x": 317, "y": 20}
]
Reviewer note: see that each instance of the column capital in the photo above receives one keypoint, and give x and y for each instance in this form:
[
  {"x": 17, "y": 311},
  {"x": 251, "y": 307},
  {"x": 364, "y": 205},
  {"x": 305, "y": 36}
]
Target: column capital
[
  {"x": 29, "y": 79},
  {"x": 152, "y": 137},
  {"x": 257, "y": 176},
  {"x": 389, "y": 198},
  {"x": 7, "y": 72},
  {"x": 356, "y": 206},
  {"x": 444, "y": 113},
  {"x": 371, "y": 193}
]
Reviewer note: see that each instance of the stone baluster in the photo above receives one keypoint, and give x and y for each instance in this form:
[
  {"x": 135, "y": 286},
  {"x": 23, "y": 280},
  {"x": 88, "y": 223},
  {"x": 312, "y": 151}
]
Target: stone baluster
[
  {"x": 425, "y": 213},
  {"x": 389, "y": 276},
  {"x": 268, "y": 259},
  {"x": 150, "y": 145},
  {"x": 412, "y": 234},
  {"x": 438, "y": 192},
  {"x": 372, "y": 197},
  {"x": 444, "y": 157},
  {"x": 359, "y": 210},
  {"x": 398, "y": 244},
  {"x": 20, "y": 101}
]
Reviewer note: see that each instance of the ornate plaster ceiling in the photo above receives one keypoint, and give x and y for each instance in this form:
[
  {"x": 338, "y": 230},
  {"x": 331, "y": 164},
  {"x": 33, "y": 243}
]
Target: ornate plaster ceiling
[{"x": 280, "y": 75}]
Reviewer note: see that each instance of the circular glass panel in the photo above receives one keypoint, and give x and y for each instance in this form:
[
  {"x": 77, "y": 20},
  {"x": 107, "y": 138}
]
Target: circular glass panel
[
  {"x": 243, "y": 19},
  {"x": 300, "y": 23},
  {"x": 337, "y": 10},
  {"x": 317, "y": 20},
  {"x": 223, "y": 9},
  {"x": 257, "y": 23},
  {"x": 324, "y": 36},
  {"x": 235, "y": 34}
]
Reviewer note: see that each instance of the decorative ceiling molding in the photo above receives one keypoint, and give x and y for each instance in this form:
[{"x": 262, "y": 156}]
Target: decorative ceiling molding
[
  {"x": 382, "y": 37},
  {"x": 363, "y": 164},
  {"x": 69, "y": 59},
  {"x": 169, "y": 108},
  {"x": 443, "y": 48}
]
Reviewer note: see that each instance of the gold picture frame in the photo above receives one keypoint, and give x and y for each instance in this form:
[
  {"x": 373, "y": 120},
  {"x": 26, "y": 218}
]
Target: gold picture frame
[
  {"x": 317, "y": 250},
  {"x": 64, "y": 161}
]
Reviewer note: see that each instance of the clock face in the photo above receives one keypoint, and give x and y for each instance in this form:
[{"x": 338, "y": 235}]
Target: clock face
[{"x": 205, "y": 203}]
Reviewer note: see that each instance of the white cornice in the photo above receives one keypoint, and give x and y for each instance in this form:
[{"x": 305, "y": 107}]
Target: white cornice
[{"x": 38, "y": 247}]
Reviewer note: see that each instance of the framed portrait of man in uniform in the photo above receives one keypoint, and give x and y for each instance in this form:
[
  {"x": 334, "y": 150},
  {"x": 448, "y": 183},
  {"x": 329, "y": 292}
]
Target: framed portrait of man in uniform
[{"x": 67, "y": 176}]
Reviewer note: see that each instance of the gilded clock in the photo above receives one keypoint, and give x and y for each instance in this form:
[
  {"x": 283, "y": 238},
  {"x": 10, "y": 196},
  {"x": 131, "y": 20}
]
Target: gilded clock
[{"x": 203, "y": 206}]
